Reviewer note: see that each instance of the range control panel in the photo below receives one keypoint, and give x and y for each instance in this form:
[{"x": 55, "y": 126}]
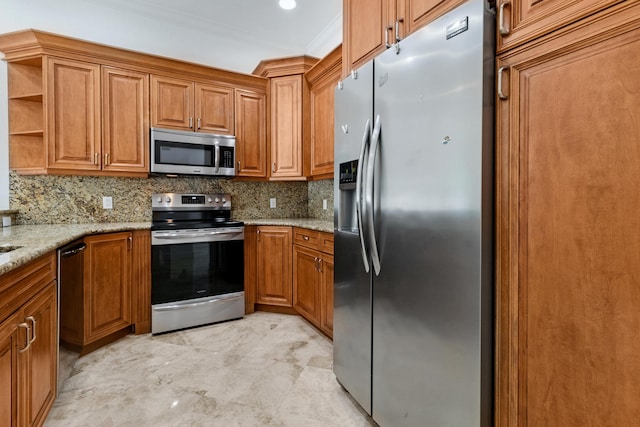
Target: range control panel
[{"x": 179, "y": 201}]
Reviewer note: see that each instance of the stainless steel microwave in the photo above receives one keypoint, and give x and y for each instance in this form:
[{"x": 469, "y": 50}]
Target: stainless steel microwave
[{"x": 175, "y": 152}]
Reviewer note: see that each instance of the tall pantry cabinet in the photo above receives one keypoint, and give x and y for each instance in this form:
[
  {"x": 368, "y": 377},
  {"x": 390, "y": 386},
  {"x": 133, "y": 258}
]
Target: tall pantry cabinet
[{"x": 568, "y": 200}]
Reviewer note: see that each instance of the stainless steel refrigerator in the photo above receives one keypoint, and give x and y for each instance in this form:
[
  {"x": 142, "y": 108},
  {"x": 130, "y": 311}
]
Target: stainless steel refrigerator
[{"x": 413, "y": 317}]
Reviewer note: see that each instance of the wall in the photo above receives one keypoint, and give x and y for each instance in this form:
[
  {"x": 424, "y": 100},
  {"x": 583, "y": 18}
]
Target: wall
[{"x": 78, "y": 199}]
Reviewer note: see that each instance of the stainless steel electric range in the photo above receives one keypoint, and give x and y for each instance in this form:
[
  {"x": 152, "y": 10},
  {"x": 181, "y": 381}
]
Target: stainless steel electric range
[{"x": 197, "y": 261}]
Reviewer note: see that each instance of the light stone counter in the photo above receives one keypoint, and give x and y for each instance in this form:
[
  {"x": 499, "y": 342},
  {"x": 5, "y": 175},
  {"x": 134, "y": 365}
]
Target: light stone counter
[
  {"x": 37, "y": 240},
  {"x": 310, "y": 223}
]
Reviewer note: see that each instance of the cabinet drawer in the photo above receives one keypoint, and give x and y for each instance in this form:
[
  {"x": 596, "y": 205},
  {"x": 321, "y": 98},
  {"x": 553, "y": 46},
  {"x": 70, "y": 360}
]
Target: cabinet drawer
[
  {"x": 307, "y": 238},
  {"x": 21, "y": 284},
  {"x": 326, "y": 243}
]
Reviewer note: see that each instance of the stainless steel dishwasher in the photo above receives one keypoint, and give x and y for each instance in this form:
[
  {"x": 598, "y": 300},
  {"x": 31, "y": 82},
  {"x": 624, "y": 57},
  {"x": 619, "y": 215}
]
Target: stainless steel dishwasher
[{"x": 70, "y": 279}]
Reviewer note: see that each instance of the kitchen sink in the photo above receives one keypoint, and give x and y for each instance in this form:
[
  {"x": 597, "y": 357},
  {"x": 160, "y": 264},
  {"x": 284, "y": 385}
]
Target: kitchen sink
[{"x": 5, "y": 249}]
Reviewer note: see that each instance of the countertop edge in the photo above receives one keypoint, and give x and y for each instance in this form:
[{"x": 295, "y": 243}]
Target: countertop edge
[
  {"x": 38, "y": 240},
  {"x": 309, "y": 223}
]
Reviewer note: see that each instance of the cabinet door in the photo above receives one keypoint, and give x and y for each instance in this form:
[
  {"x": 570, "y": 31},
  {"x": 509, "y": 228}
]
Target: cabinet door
[
  {"x": 251, "y": 133},
  {"x": 125, "y": 112},
  {"x": 107, "y": 297},
  {"x": 274, "y": 272},
  {"x": 286, "y": 126},
  {"x": 306, "y": 283},
  {"x": 171, "y": 103},
  {"x": 9, "y": 345},
  {"x": 40, "y": 362},
  {"x": 326, "y": 285},
  {"x": 368, "y": 25},
  {"x": 421, "y": 12},
  {"x": 322, "y": 128},
  {"x": 520, "y": 21},
  {"x": 73, "y": 110},
  {"x": 568, "y": 161},
  {"x": 214, "y": 109}
]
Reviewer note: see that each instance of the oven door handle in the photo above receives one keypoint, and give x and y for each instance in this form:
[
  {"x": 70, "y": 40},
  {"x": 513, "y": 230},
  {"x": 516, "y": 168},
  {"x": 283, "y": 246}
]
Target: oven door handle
[
  {"x": 179, "y": 306},
  {"x": 174, "y": 236}
]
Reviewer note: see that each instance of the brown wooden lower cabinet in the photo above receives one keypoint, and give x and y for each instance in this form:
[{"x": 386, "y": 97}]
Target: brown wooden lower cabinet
[
  {"x": 28, "y": 343},
  {"x": 273, "y": 284},
  {"x": 313, "y": 277},
  {"x": 290, "y": 270},
  {"x": 98, "y": 307}
]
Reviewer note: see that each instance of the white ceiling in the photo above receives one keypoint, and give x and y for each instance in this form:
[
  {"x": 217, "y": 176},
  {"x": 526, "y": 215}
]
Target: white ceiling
[{"x": 230, "y": 34}]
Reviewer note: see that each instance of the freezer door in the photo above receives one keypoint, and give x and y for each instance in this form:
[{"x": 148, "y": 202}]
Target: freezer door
[
  {"x": 433, "y": 180},
  {"x": 352, "y": 283}
]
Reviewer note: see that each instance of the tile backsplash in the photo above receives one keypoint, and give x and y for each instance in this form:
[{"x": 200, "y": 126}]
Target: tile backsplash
[{"x": 49, "y": 199}]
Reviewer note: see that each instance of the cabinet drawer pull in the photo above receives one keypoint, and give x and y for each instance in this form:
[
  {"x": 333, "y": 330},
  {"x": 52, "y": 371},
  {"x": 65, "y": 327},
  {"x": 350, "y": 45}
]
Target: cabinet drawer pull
[
  {"x": 503, "y": 30},
  {"x": 106, "y": 159},
  {"x": 96, "y": 159},
  {"x": 386, "y": 37},
  {"x": 198, "y": 122},
  {"x": 398, "y": 29},
  {"x": 190, "y": 122},
  {"x": 28, "y": 340},
  {"x": 501, "y": 94},
  {"x": 33, "y": 329},
  {"x": 305, "y": 237}
]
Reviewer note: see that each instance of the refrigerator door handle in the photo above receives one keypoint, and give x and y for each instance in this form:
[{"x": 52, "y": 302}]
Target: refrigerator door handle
[
  {"x": 369, "y": 195},
  {"x": 366, "y": 137}
]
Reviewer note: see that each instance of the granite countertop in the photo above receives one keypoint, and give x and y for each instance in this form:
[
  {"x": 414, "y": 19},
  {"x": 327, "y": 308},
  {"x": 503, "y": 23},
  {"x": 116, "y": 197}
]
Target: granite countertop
[
  {"x": 310, "y": 223},
  {"x": 37, "y": 240}
]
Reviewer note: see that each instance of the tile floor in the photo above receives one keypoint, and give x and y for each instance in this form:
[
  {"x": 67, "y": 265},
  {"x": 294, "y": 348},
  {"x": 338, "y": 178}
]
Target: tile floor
[{"x": 264, "y": 370}]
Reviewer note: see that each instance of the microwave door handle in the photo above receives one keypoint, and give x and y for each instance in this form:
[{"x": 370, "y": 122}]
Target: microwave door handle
[{"x": 216, "y": 162}]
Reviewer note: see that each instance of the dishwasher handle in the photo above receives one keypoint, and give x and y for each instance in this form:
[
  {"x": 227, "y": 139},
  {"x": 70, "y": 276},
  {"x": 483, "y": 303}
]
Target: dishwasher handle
[{"x": 73, "y": 250}]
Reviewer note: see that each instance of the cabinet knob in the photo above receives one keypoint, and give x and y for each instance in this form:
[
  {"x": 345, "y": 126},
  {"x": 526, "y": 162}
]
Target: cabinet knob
[{"x": 305, "y": 237}]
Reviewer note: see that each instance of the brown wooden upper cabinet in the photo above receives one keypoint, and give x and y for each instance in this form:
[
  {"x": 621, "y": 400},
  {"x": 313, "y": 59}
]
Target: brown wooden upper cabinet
[
  {"x": 251, "y": 133},
  {"x": 289, "y": 115},
  {"x": 187, "y": 105},
  {"x": 93, "y": 120},
  {"x": 520, "y": 21},
  {"x": 97, "y": 118},
  {"x": 286, "y": 126},
  {"x": 322, "y": 79},
  {"x": 371, "y": 26}
]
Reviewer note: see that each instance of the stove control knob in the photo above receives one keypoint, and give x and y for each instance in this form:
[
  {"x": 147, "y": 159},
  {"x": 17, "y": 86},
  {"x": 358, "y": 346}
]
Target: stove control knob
[
  {"x": 168, "y": 200},
  {"x": 224, "y": 200},
  {"x": 217, "y": 200},
  {"x": 209, "y": 200},
  {"x": 159, "y": 199}
]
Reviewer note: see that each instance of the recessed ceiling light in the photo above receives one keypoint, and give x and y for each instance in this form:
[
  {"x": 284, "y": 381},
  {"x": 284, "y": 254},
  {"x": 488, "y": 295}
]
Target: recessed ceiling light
[{"x": 288, "y": 4}]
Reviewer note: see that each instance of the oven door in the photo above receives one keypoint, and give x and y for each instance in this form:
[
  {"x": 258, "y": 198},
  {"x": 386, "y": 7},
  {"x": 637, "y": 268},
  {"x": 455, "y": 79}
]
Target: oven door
[
  {"x": 191, "y": 264},
  {"x": 197, "y": 277}
]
